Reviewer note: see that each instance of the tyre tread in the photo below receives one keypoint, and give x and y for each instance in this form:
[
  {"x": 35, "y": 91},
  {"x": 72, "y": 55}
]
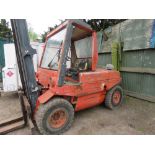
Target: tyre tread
[{"x": 45, "y": 107}]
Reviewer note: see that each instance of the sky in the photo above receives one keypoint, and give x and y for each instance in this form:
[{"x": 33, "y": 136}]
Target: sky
[{"x": 40, "y": 25}]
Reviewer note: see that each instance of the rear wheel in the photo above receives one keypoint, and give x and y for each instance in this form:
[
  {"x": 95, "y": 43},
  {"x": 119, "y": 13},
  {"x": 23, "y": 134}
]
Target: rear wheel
[
  {"x": 55, "y": 117},
  {"x": 114, "y": 97}
]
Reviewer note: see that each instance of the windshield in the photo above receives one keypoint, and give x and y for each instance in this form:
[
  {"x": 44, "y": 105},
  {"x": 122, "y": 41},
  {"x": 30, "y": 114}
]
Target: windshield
[{"x": 52, "y": 51}]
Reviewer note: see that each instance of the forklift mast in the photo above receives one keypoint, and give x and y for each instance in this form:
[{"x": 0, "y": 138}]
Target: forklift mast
[{"x": 24, "y": 54}]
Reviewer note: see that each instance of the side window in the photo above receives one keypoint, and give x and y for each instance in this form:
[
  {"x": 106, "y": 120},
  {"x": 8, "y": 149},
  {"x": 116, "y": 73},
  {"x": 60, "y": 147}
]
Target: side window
[{"x": 84, "y": 47}]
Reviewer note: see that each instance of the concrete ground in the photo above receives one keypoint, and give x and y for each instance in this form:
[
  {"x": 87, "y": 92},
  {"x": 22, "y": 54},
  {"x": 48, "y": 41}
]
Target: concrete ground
[{"x": 133, "y": 117}]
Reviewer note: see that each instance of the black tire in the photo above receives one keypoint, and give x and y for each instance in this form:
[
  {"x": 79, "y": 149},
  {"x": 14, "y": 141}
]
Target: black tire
[
  {"x": 110, "y": 97},
  {"x": 48, "y": 112}
]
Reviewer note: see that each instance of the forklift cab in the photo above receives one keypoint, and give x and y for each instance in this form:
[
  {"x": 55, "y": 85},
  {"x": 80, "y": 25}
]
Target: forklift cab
[{"x": 68, "y": 54}]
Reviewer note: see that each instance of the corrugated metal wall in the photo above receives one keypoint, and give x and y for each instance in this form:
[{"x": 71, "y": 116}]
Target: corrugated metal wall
[
  {"x": 2, "y": 60},
  {"x": 138, "y": 56},
  {"x": 138, "y": 72}
]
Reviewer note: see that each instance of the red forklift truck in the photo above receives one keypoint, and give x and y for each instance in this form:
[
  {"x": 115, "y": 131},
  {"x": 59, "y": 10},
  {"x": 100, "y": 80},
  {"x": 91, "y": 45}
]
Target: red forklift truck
[{"x": 68, "y": 79}]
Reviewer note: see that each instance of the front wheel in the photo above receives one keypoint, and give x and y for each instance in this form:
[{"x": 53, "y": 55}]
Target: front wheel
[
  {"x": 114, "y": 97},
  {"x": 55, "y": 117}
]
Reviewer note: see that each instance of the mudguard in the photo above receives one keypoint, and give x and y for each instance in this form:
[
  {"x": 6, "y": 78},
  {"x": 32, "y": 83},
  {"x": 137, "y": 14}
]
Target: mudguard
[{"x": 45, "y": 97}]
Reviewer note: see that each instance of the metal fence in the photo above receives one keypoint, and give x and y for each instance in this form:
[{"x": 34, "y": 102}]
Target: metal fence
[
  {"x": 138, "y": 72},
  {"x": 2, "y": 60},
  {"x": 137, "y": 60}
]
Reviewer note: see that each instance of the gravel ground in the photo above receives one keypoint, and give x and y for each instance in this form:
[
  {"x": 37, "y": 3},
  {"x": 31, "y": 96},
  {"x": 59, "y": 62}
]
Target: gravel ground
[{"x": 133, "y": 117}]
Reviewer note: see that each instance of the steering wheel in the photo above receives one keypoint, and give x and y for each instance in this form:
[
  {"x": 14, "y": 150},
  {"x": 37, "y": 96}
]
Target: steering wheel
[
  {"x": 55, "y": 64},
  {"x": 72, "y": 71}
]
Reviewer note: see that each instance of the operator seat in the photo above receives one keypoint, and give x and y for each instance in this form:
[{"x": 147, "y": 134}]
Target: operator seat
[{"x": 83, "y": 64}]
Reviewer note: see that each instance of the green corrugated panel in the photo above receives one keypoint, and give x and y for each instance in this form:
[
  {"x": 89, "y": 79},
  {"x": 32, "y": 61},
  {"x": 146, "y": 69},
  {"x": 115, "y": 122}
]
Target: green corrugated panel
[
  {"x": 149, "y": 58},
  {"x": 2, "y": 60},
  {"x": 103, "y": 59},
  {"x": 142, "y": 84},
  {"x": 139, "y": 83},
  {"x": 132, "y": 59}
]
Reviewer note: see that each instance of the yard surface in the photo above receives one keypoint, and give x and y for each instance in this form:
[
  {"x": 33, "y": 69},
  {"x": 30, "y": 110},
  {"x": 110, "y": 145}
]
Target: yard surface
[{"x": 133, "y": 117}]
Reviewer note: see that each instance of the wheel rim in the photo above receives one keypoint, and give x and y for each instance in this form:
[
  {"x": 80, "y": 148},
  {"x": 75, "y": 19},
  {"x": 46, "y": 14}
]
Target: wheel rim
[
  {"x": 57, "y": 118},
  {"x": 116, "y": 97}
]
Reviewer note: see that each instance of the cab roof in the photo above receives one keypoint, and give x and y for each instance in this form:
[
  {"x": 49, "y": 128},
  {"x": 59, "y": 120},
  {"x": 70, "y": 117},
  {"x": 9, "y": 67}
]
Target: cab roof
[{"x": 82, "y": 28}]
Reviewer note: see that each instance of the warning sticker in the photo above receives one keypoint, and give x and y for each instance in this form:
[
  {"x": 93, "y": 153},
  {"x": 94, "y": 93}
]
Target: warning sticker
[{"x": 9, "y": 73}]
